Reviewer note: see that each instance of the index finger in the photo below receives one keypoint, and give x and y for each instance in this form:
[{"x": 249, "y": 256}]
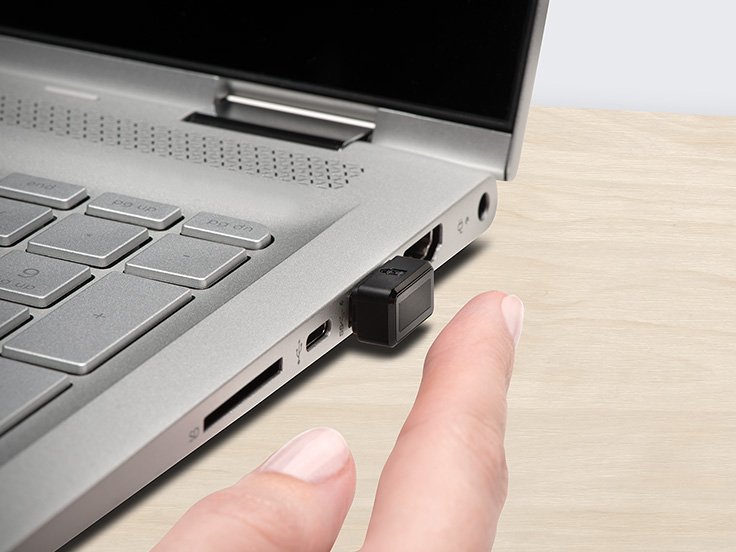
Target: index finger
[{"x": 445, "y": 482}]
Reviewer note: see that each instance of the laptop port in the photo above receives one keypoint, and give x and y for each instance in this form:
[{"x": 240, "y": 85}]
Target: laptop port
[
  {"x": 425, "y": 248},
  {"x": 318, "y": 335},
  {"x": 484, "y": 205},
  {"x": 254, "y": 385}
]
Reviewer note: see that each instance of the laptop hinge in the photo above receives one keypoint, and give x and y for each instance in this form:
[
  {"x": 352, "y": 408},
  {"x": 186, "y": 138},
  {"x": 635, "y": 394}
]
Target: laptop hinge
[{"x": 284, "y": 122}]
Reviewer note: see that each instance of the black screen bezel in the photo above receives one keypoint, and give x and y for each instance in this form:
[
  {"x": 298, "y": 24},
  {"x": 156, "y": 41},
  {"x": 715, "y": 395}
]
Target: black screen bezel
[{"x": 474, "y": 80}]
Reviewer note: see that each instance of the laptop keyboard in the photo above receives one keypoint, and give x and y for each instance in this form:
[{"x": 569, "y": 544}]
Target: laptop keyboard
[{"x": 113, "y": 308}]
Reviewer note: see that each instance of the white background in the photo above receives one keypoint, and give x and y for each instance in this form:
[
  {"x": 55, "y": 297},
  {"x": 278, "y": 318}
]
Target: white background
[{"x": 675, "y": 56}]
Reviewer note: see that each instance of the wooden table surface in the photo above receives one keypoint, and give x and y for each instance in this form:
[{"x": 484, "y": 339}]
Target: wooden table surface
[{"x": 619, "y": 234}]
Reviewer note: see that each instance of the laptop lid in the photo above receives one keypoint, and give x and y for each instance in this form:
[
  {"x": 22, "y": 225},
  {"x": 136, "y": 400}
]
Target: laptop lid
[{"x": 451, "y": 83}]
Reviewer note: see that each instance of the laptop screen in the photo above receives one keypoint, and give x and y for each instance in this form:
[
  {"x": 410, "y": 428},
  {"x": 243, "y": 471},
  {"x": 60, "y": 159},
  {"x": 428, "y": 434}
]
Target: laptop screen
[{"x": 460, "y": 61}]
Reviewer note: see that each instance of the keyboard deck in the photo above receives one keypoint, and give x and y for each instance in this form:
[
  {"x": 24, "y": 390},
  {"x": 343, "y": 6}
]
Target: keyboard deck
[{"x": 66, "y": 307}]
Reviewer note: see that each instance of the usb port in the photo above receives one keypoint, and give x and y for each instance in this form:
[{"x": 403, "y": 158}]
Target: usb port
[
  {"x": 318, "y": 335},
  {"x": 427, "y": 245}
]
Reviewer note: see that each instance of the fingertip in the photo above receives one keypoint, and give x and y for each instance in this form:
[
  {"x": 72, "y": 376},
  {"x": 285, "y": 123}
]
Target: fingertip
[
  {"x": 488, "y": 305},
  {"x": 313, "y": 456},
  {"x": 513, "y": 312},
  {"x": 296, "y": 500},
  {"x": 487, "y": 313},
  {"x": 481, "y": 337}
]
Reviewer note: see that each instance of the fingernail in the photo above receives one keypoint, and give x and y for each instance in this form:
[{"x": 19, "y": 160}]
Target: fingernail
[
  {"x": 313, "y": 456},
  {"x": 513, "y": 313}
]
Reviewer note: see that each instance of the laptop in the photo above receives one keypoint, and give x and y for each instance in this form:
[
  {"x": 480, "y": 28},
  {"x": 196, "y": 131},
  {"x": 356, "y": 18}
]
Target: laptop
[{"x": 189, "y": 199}]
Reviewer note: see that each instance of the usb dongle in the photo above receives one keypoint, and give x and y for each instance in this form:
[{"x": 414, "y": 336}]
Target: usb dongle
[{"x": 389, "y": 304}]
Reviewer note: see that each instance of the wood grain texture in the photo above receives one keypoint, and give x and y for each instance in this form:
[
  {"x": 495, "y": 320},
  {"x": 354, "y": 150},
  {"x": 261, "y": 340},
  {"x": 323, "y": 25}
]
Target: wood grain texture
[{"x": 619, "y": 234}]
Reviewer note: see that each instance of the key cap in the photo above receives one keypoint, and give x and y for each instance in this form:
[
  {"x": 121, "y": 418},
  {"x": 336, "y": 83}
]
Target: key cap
[
  {"x": 96, "y": 324},
  {"x": 241, "y": 233},
  {"x": 11, "y": 316},
  {"x": 88, "y": 240},
  {"x": 25, "y": 389},
  {"x": 157, "y": 216},
  {"x": 186, "y": 261},
  {"x": 59, "y": 195},
  {"x": 38, "y": 281},
  {"x": 18, "y": 220}
]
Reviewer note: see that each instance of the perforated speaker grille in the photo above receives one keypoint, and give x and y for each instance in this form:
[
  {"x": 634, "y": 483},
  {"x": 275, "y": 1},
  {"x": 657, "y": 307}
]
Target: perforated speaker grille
[{"x": 194, "y": 147}]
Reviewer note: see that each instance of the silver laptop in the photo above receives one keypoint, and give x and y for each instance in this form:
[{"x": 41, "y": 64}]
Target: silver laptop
[{"x": 189, "y": 200}]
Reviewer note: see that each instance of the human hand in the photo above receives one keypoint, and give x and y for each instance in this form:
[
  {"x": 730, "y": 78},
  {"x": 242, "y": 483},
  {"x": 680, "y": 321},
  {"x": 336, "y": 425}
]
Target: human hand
[{"x": 442, "y": 488}]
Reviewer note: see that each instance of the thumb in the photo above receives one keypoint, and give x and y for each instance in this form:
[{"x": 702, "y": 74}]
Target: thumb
[{"x": 296, "y": 500}]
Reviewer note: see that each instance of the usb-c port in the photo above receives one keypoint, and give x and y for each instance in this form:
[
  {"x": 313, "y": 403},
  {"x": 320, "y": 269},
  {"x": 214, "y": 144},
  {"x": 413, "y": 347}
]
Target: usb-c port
[{"x": 318, "y": 335}]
